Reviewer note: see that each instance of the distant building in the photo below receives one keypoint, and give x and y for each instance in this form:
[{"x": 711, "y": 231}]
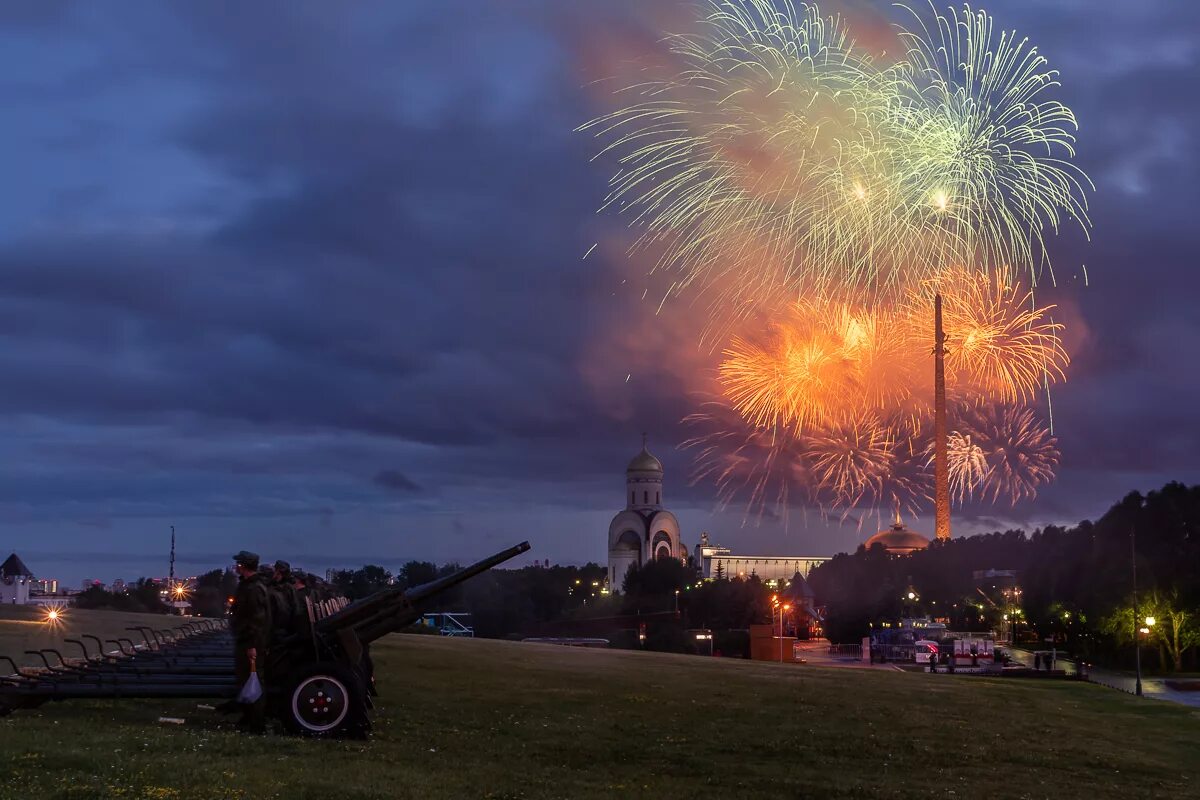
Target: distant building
[
  {"x": 45, "y": 586},
  {"x": 898, "y": 539},
  {"x": 713, "y": 560},
  {"x": 645, "y": 530},
  {"x": 15, "y": 582},
  {"x": 118, "y": 585}
]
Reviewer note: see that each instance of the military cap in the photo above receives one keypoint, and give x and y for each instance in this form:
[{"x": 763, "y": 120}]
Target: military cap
[
  {"x": 283, "y": 566},
  {"x": 247, "y": 559}
]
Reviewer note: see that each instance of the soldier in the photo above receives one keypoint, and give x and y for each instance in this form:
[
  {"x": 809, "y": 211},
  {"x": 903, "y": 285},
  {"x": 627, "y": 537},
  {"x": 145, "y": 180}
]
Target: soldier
[
  {"x": 251, "y": 625},
  {"x": 285, "y": 602},
  {"x": 302, "y": 583}
]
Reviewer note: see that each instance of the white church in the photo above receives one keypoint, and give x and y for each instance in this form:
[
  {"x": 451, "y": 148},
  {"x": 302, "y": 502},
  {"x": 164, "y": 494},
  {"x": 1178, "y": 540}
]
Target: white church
[{"x": 644, "y": 530}]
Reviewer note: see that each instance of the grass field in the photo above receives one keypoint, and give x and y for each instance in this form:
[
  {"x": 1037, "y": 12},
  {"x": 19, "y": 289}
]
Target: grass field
[{"x": 462, "y": 718}]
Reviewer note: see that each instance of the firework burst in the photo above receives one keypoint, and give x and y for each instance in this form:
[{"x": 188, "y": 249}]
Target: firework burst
[
  {"x": 1020, "y": 451},
  {"x": 764, "y": 466},
  {"x": 1001, "y": 345},
  {"x": 968, "y": 466},
  {"x": 780, "y": 152},
  {"x": 986, "y": 143},
  {"x": 777, "y": 158},
  {"x": 851, "y": 460}
]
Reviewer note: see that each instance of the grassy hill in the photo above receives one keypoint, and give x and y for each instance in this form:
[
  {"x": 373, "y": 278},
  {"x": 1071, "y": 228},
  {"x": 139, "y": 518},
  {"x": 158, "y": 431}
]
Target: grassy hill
[{"x": 475, "y": 718}]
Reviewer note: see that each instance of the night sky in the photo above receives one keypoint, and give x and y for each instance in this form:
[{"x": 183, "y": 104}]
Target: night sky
[{"x": 307, "y": 278}]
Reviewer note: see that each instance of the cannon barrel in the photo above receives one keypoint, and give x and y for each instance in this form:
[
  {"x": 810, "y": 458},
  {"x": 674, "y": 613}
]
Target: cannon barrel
[{"x": 390, "y": 605}]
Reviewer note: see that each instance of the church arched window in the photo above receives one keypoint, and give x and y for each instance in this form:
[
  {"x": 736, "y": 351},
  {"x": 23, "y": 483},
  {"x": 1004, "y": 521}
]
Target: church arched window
[
  {"x": 658, "y": 498},
  {"x": 632, "y": 498},
  {"x": 645, "y": 497}
]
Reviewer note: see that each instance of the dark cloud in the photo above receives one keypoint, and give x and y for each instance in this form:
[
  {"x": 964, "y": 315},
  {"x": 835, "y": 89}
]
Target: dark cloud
[{"x": 394, "y": 479}]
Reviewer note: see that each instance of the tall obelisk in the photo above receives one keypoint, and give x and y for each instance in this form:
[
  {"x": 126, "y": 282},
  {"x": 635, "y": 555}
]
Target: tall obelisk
[{"x": 941, "y": 467}]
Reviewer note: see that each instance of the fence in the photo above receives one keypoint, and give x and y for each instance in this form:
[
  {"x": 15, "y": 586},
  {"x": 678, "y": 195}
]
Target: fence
[{"x": 846, "y": 650}]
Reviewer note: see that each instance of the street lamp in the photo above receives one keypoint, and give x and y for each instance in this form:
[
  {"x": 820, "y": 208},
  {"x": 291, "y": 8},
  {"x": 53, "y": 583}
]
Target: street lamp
[
  {"x": 782, "y": 608},
  {"x": 1137, "y": 635}
]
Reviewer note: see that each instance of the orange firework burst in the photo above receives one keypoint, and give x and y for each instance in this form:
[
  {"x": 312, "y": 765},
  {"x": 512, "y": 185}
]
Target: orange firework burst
[
  {"x": 821, "y": 364},
  {"x": 846, "y": 381},
  {"x": 796, "y": 379},
  {"x": 1000, "y": 342}
]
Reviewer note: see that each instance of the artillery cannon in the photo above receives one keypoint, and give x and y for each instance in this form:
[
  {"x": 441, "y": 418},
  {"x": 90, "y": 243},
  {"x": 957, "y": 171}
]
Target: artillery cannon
[{"x": 319, "y": 681}]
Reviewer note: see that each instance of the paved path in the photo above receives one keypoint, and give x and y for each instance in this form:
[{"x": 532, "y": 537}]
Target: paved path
[
  {"x": 1154, "y": 688},
  {"x": 817, "y": 654}
]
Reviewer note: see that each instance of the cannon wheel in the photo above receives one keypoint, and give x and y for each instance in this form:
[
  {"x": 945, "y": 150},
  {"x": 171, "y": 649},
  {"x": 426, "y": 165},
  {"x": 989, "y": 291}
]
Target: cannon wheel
[{"x": 326, "y": 699}]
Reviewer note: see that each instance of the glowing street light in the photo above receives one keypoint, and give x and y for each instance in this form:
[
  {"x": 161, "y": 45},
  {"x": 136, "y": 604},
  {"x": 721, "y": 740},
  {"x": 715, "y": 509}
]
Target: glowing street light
[{"x": 1150, "y": 622}]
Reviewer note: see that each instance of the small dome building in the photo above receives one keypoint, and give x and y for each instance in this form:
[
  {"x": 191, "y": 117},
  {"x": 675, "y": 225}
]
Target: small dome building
[
  {"x": 645, "y": 530},
  {"x": 898, "y": 539}
]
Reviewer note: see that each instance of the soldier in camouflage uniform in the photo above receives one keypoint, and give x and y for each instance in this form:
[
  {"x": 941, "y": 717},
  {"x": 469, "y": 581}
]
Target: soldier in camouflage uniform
[
  {"x": 285, "y": 603},
  {"x": 251, "y": 626},
  {"x": 302, "y": 583}
]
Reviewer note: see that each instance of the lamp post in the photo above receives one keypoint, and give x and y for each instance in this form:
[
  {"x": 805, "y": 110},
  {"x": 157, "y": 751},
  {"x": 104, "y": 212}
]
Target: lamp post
[{"x": 1137, "y": 637}]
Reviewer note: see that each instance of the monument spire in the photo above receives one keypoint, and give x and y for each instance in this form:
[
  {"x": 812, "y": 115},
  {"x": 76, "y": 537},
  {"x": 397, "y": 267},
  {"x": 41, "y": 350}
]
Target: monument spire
[{"x": 941, "y": 467}]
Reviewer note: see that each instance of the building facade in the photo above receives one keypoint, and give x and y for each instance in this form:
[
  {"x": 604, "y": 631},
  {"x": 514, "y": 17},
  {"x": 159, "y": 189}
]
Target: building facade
[
  {"x": 645, "y": 530},
  {"x": 15, "y": 582},
  {"x": 713, "y": 560}
]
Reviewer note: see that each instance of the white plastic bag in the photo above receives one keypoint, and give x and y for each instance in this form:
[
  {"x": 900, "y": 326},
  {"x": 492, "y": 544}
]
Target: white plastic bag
[{"x": 252, "y": 690}]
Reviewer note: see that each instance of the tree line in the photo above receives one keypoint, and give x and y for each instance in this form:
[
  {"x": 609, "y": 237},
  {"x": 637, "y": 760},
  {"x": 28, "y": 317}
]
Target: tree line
[{"x": 1073, "y": 585}]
